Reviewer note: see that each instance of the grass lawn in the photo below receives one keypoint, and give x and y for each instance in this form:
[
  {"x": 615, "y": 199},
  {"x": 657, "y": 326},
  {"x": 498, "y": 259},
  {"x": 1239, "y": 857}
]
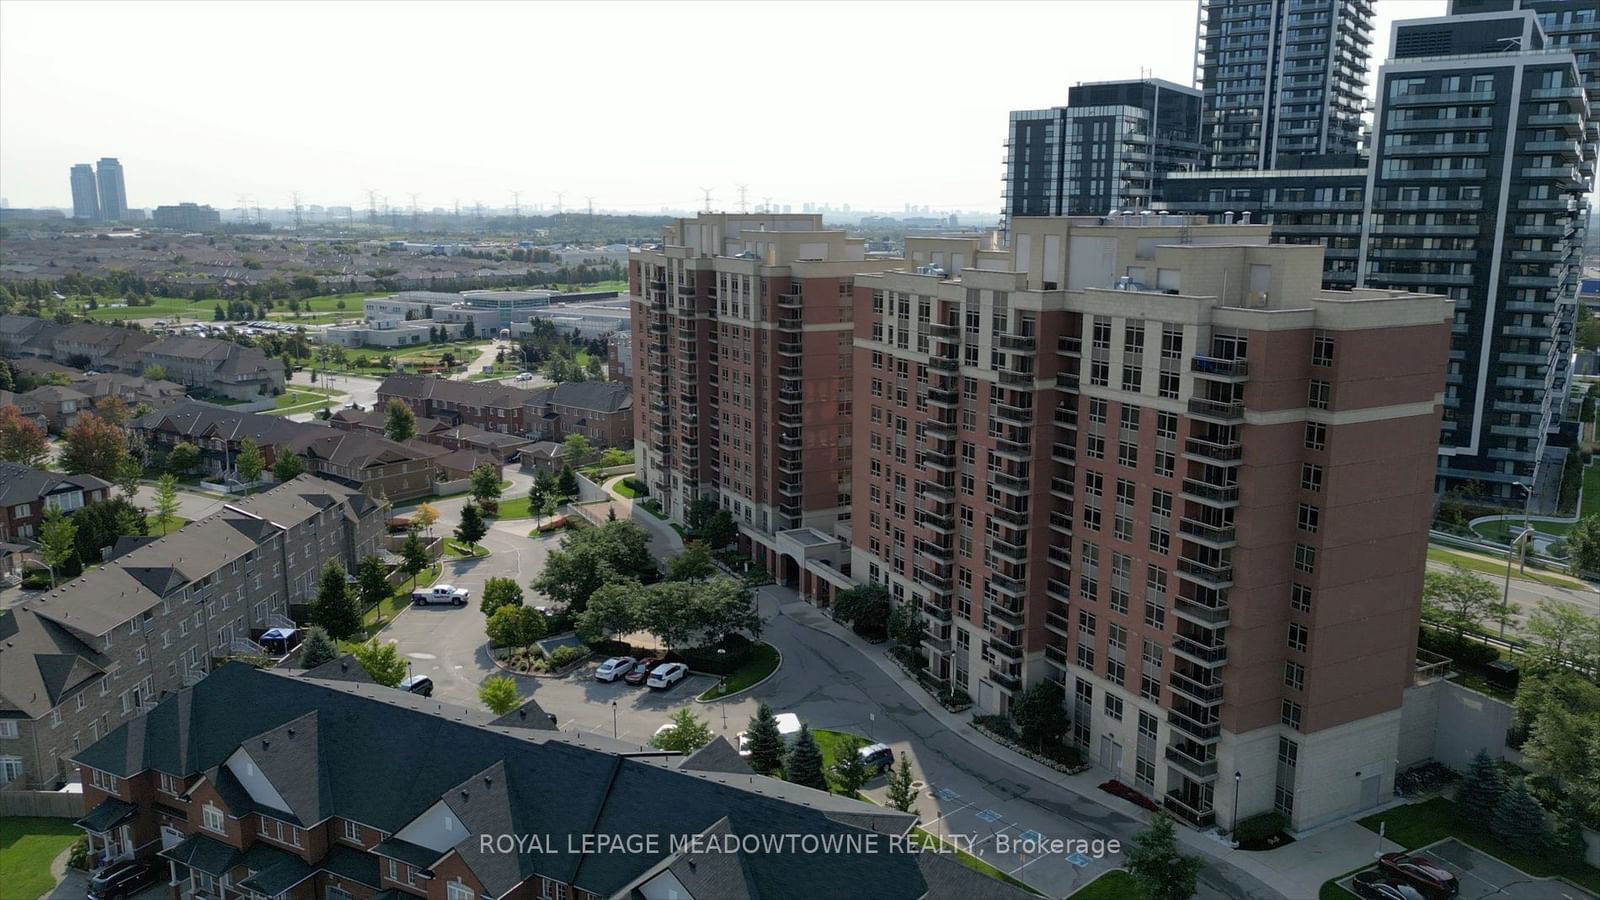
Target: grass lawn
[
  {"x": 1503, "y": 531},
  {"x": 153, "y": 523},
  {"x": 978, "y": 865},
  {"x": 764, "y": 659},
  {"x": 1486, "y": 566},
  {"x": 1591, "y": 491},
  {"x": 401, "y": 598},
  {"x": 653, "y": 509},
  {"x": 458, "y": 550},
  {"x": 1419, "y": 824},
  {"x": 1113, "y": 885},
  {"x": 832, "y": 742},
  {"x": 624, "y": 488},
  {"x": 27, "y": 846},
  {"x": 517, "y": 507}
]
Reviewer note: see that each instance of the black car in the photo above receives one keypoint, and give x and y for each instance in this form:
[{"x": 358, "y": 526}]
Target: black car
[
  {"x": 122, "y": 879},
  {"x": 1375, "y": 885},
  {"x": 417, "y": 684}
]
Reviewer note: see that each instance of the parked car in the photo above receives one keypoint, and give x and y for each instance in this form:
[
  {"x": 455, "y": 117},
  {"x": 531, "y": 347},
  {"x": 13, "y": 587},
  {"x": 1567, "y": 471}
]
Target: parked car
[
  {"x": 122, "y": 879},
  {"x": 788, "y": 729},
  {"x": 878, "y": 758},
  {"x": 441, "y": 593},
  {"x": 1433, "y": 879},
  {"x": 641, "y": 670},
  {"x": 524, "y": 376},
  {"x": 1375, "y": 885},
  {"x": 667, "y": 675},
  {"x": 614, "y": 668},
  {"x": 417, "y": 684}
]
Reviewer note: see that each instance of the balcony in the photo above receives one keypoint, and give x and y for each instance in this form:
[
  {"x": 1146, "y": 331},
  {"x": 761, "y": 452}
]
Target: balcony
[
  {"x": 1064, "y": 453},
  {"x": 1201, "y": 770},
  {"x": 1217, "y": 367},
  {"x": 1199, "y": 818},
  {"x": 943, "y": 398},
  {"x": 1016, "y": 518},
  {"x": 1208, "y": 655},
  {"x": 1207, "y": 616},
  {"x": 944, "y": 332},
  {"x": 939, "y": 553},
  {"x": 939, "y": 644},
  {"x": 1061, "y": 487},
  {"x": 1203, "y": 693},
  {"x": 1217, "y": 577},
  {"x": 1006, "y": 681},
  {"x": 1014, "y": 342},
  {"x": 1057, "y": 589},
  {"x": 1212, "y": 451},
  {"x": 788, "y": 301},
  {"x": 936, "y": 610},
  {"x": 1008, "y": 551},
  {"x": 944, "y": 364},
  {"x": 1215, "y": 409},
  {"x": 1015, "y": 415},
  {"x": 1011, "y": 484},
  {"x": 937, "y": 490},
  {"x": 789, "y": 348},
  {"x": 1017, "y": 451},
  {"x": 1215, "y": 495},
  {"x": 1211, "y": 535},
  {"x": 789, "y": 441},
  {"x": 1009, "y": 586},
  {"x": 944, "y": 524},
  {"x": 938, "y": 460},
  {"x": 1008, "y": 615},
  {"x": 1203, "y": 732},
  {"x": 1069, "y": 346},
  {"x": 1017, "y": 379},
  {"x": 1061, "y": 522},
  {"x": 1068, "y": 381}
]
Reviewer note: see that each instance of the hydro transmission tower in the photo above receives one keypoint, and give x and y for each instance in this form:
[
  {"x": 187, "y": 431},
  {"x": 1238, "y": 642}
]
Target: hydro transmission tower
[{"x": 707, "y": 192}]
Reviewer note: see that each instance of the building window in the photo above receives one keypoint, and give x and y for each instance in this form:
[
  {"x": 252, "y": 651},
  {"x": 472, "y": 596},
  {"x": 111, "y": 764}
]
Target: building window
[
  {"x": 1321, "y": 349},
  {"x": 1291, "y": 714},
  {"x": 455, "y": 890},
  {"x": 1316, "y": 436},
  {"x": 1113, "y": 707},
  {"x": 352, "y": 831},
  {"x": 1300, "y": 597},
  {"x": 1305, "y": 558},
  {"x": 8, "y": 728},
  {"x": 1317, "y": 396},
  {"x": 1283, "y": 794},
  {"x": 10, "y": 769},
  {"x": 1310, "y": 477},
  {"x": 1294, "y": 676},
  {"x": 1086, "y": 640},
  {"x": 1298, "y": 636},
  {"x": 1308, "y": 518},
  {"x": 105, "y": 781},
  {"x": 211, "y": 819},
  {"x": 171, "y": 785}
]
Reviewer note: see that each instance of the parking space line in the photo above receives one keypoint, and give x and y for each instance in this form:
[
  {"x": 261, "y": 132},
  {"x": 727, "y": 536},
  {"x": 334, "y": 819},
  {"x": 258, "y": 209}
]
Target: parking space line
[
  {"x": 990, "y": 816},
  {"x": 1448, "y": 866},
  {"x": 991, "y": 836},
  {"x": 948, "y": 814}
]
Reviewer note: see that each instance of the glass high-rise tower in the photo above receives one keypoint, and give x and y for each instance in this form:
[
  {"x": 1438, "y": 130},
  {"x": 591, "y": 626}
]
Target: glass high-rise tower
[
  {"x": 113, "y": 193},
  {"x": 85, "y": 195}
]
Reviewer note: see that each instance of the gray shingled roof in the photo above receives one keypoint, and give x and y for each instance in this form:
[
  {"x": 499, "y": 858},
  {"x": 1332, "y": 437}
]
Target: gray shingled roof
[
  {"x": 21, "y": 484},
  {"x": 597, "y": 396}
]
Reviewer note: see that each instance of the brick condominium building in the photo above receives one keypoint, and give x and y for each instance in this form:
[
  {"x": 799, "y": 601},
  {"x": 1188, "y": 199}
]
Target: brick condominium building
[
  {"x": 78, "y": 661},
  {"x": 1154, "y": 461}
]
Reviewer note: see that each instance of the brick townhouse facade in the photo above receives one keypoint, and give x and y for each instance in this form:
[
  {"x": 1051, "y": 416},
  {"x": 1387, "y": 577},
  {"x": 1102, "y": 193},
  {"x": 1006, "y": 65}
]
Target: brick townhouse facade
[
  {"x": 263, "y": 784},
  {"x": 26, "y": 493},
  {"x": 601, "y": 411},
  {"x": 492, "y": 407},
  {"x": 223, "y": 367},
  {"x": 80, "y": 660}
]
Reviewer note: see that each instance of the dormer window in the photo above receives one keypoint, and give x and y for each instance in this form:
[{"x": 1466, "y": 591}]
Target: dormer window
[{"x": 211, "y": 819}]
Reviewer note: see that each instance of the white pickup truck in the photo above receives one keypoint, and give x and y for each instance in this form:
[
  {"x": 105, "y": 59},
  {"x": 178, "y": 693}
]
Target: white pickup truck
[{"x": 440, "y": 593}]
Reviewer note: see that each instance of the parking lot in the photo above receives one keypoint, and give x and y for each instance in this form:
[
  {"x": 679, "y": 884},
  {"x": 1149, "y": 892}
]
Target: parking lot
[
  {"x": 1482, "y": 876},
  {"x": 584, "y": 704}
]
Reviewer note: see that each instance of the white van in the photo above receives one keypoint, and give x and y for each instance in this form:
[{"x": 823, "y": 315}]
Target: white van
[{"x": 788, "y": 727}]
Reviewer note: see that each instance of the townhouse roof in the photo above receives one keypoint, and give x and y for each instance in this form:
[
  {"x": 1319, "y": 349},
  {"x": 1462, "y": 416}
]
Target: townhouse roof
[
  {"x": 224, "y": 357},
  {"x": 462, "y": 393},
  {"x": 103, "y": 336},
  {"x": 546, "y": 449},
  {"x": 21, "y": 326},
  {"x": 41, "y": 664},
  {"x": 190, "y": 419},
  {"x": 33, "y": 365},
  {"x": 377, "y": 417},
  {"x": 596, "y": 396},
  {"x": 357, "y": 449},
  {"x": 108, "y": 383},
  {"x": 23, "y": 484},
  {"x": 54, "y": 393},
  {"x": 385, "y": 757}
]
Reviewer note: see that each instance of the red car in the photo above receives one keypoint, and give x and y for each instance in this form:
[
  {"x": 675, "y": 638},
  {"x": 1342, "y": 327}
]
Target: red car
[
  {"x": 641, "y": 672},
  {"x": 1430, "y": 877}
]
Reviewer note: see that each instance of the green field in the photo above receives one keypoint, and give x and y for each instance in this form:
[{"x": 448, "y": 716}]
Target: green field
[
  {"x": 1591, "y": 491},
  {"x": 1486, "y": 566},
  {"x": 304, "y": 399},
  {"x": 764, "y": 659},
  {"x": 27, "y": 847}
]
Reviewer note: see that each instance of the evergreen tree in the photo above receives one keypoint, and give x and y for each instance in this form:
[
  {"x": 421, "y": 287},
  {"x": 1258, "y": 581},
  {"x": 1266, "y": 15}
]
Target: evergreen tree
[
  {"x": 902, "y": 795},
  {"x": 372, "y": 583},
  {"x": 1520, "y": 821},
  {"x": 567, "y": 482},
  {"x": 804, "y": 763},
  {"x": 850, "y": 771},
  {"x": 1158, "y": 868},
  {"x": 413, "y": 556},
  {"x": 765, "y": 742},
  {"x": 472, "y": 528},
  {"x": 1568, "y": 845},
  {"x": 499, "y": 693},
  {"x": 1480, "y": 790},
  {"x": 334, "y": 608},
  {"x": 400, "y": 423},
  {"x": 317, "y": 649}
]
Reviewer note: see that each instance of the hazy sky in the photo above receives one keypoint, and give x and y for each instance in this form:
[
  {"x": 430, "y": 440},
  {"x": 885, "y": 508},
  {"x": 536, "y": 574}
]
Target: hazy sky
[{"x": 637, "y": 105}]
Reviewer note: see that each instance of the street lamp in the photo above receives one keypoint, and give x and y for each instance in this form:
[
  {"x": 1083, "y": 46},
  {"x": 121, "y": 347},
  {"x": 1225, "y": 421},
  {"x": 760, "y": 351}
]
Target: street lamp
[
  {"x": 1505, "y": 601},
  {"x": 1527, "y": 498},
  {"x": 722, "y": 685},
  {"x": 1234, "y": 831},
  {"x": 613, "y": 719}
]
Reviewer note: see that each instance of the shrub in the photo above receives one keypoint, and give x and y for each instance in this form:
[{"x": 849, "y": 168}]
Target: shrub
[
  {"x": 1260, "y": 831},
  {"x": 1462, "y": 650},
  {"x": 566, "y": 655},
  {"x": 78, "y": 857}
]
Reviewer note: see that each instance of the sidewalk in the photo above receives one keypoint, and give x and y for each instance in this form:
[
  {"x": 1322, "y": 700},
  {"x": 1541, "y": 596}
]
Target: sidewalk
[
  {"x": 1297, "y": 870},
  {"x": 664, "y": 539}
]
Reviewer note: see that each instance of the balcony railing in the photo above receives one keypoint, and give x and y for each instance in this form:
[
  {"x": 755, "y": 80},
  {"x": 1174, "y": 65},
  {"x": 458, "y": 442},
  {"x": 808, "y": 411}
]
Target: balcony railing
[
  {"x": 1214, "y": 365},
  {"x": 1198, "y": 691},
  {"x": 1199, "y": 818},
  {"x": 1069, "y": 346},
  {"x": 1209, "y": 616},
  {"x": 1229, "y": 452},
  {"x": 1201, "y": 770},
  {"x": 1014, "y": 342},
  {"x": 1203, "y": 532},
  {"x": 1216, "y": 409},
  {"x": 1211, "y": 492},
  {"x": 1204, "y": 732}
]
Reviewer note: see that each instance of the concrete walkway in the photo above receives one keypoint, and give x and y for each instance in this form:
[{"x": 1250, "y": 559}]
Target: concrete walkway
[
  {"x": 664, "y": 539},
  {"x": 1297, "y": 870}
]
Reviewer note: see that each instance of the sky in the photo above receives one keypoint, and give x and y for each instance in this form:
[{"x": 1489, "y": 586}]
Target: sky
[{"x": 638, "y": 106}]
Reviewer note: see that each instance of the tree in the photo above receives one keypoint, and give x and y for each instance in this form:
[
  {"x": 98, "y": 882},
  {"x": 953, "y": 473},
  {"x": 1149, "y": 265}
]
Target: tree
[
  {"x": 612, "y": 609},
  {"x": 486, "y": 484},
  {"x": 499, "y": 693},
  {"x": 288, "y": 465},
  {"x": 1520, "y": 821},
  {"x": 1459, "y": 600},
  {"x": 57, "y": 540},
  {"x": 719, "y": 531},
  {"x": 400, "y": 423},
  {"x": 498, "y": 592},
  {"x": 113, "y": 409},
  {"x": 129, "y": 476},
  {"x": 590, "y": 558},
  {"x": 183, "y": 458},
  {"x": 902, "y": 795},
  {"x": 99, "y": 524},
  {"x": 567, "y": 482},
  {"x": 471, "y": 529},
  {"x": 1588, "y": 336},
  {"x": 614, "y": 457},
  {"x": 688, "y": 733},
  {"x": 1558, "y": 719},
  {"x": 424, "y": 516},
  {"x": 167, "y": 499},
  {"x": 372, "y": 582},
  {"x": 1159, "y": 869},
  {"x": 382, "y": 661},
  {"x": 576, "y": 449},
  {"x": 317, "y": 649},
  {"x": 21, "y": 439},
  {"x": 693, "y": 564},
  {"x": 155, "y": 372},
  {"x": 865, "y": 607},
  {"x": 249, "y": 462},
  {"x": 1567, "y": 844},
  {"x": 804, "y": 763},
  {"x": 545, "y": 481},
  {"x": 1039, "y": 714},
  {"x": 905, "y": 624},
  {"x": 413, "y": 556},
  {"x": 1480, "y": 790},
  {"x": 516, "y": 626},
  {"x": 334, "y": 608},
  {"x": 1583, "y": 545},
  {"x": 536, "y": 498},
  {"x": 850, "y": 771},
  {"x": 1563, "y": 633},
  {"x": 765, "y": 741},
  {"x": 217, "y": 315},
  {"x": 95, "y": 447}
]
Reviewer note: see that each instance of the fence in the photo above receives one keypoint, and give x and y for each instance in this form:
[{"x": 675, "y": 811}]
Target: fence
[{"x": 45, "y": 804}]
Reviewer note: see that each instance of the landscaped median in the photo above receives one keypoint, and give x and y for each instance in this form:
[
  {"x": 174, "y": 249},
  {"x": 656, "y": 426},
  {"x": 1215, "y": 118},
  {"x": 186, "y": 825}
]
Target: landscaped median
[
  {"x": 382, "y": 614},
  {"x": 304, "y": 399},
  {"x": 763, "y": 660},
  {"x": 927, "y": 839},
  {"x": 1113, "y": 885}
]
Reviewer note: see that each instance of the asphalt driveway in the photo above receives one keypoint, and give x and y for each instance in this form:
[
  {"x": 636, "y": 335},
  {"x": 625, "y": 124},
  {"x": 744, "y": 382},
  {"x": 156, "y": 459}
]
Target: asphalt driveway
[{"x": 1482, "y": 876}]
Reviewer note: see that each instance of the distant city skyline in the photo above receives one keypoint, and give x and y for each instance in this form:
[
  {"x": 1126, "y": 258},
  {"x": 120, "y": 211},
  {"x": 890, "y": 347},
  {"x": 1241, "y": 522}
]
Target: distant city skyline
[{"x": 890, "y": 109}]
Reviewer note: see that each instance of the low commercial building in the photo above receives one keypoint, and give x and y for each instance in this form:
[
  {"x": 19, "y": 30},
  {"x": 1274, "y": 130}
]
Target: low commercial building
[
  {"x": 187, "y": 216},
  {"x": 95, "y": 653},
  {"x": 285, "y": 786}
]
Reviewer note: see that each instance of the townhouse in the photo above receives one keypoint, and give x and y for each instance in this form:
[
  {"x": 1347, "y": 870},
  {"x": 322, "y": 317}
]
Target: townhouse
[
  {"x": 490, "y": 406},
  {"x": 81, "y": 660},
  {"x": 261, "y": 784},
  {"x": 26, "y": 493},
  {"x": 503, "y": 447},
  {"x": 601, "y": 411},
  {"x": 221, "y": 367}
]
